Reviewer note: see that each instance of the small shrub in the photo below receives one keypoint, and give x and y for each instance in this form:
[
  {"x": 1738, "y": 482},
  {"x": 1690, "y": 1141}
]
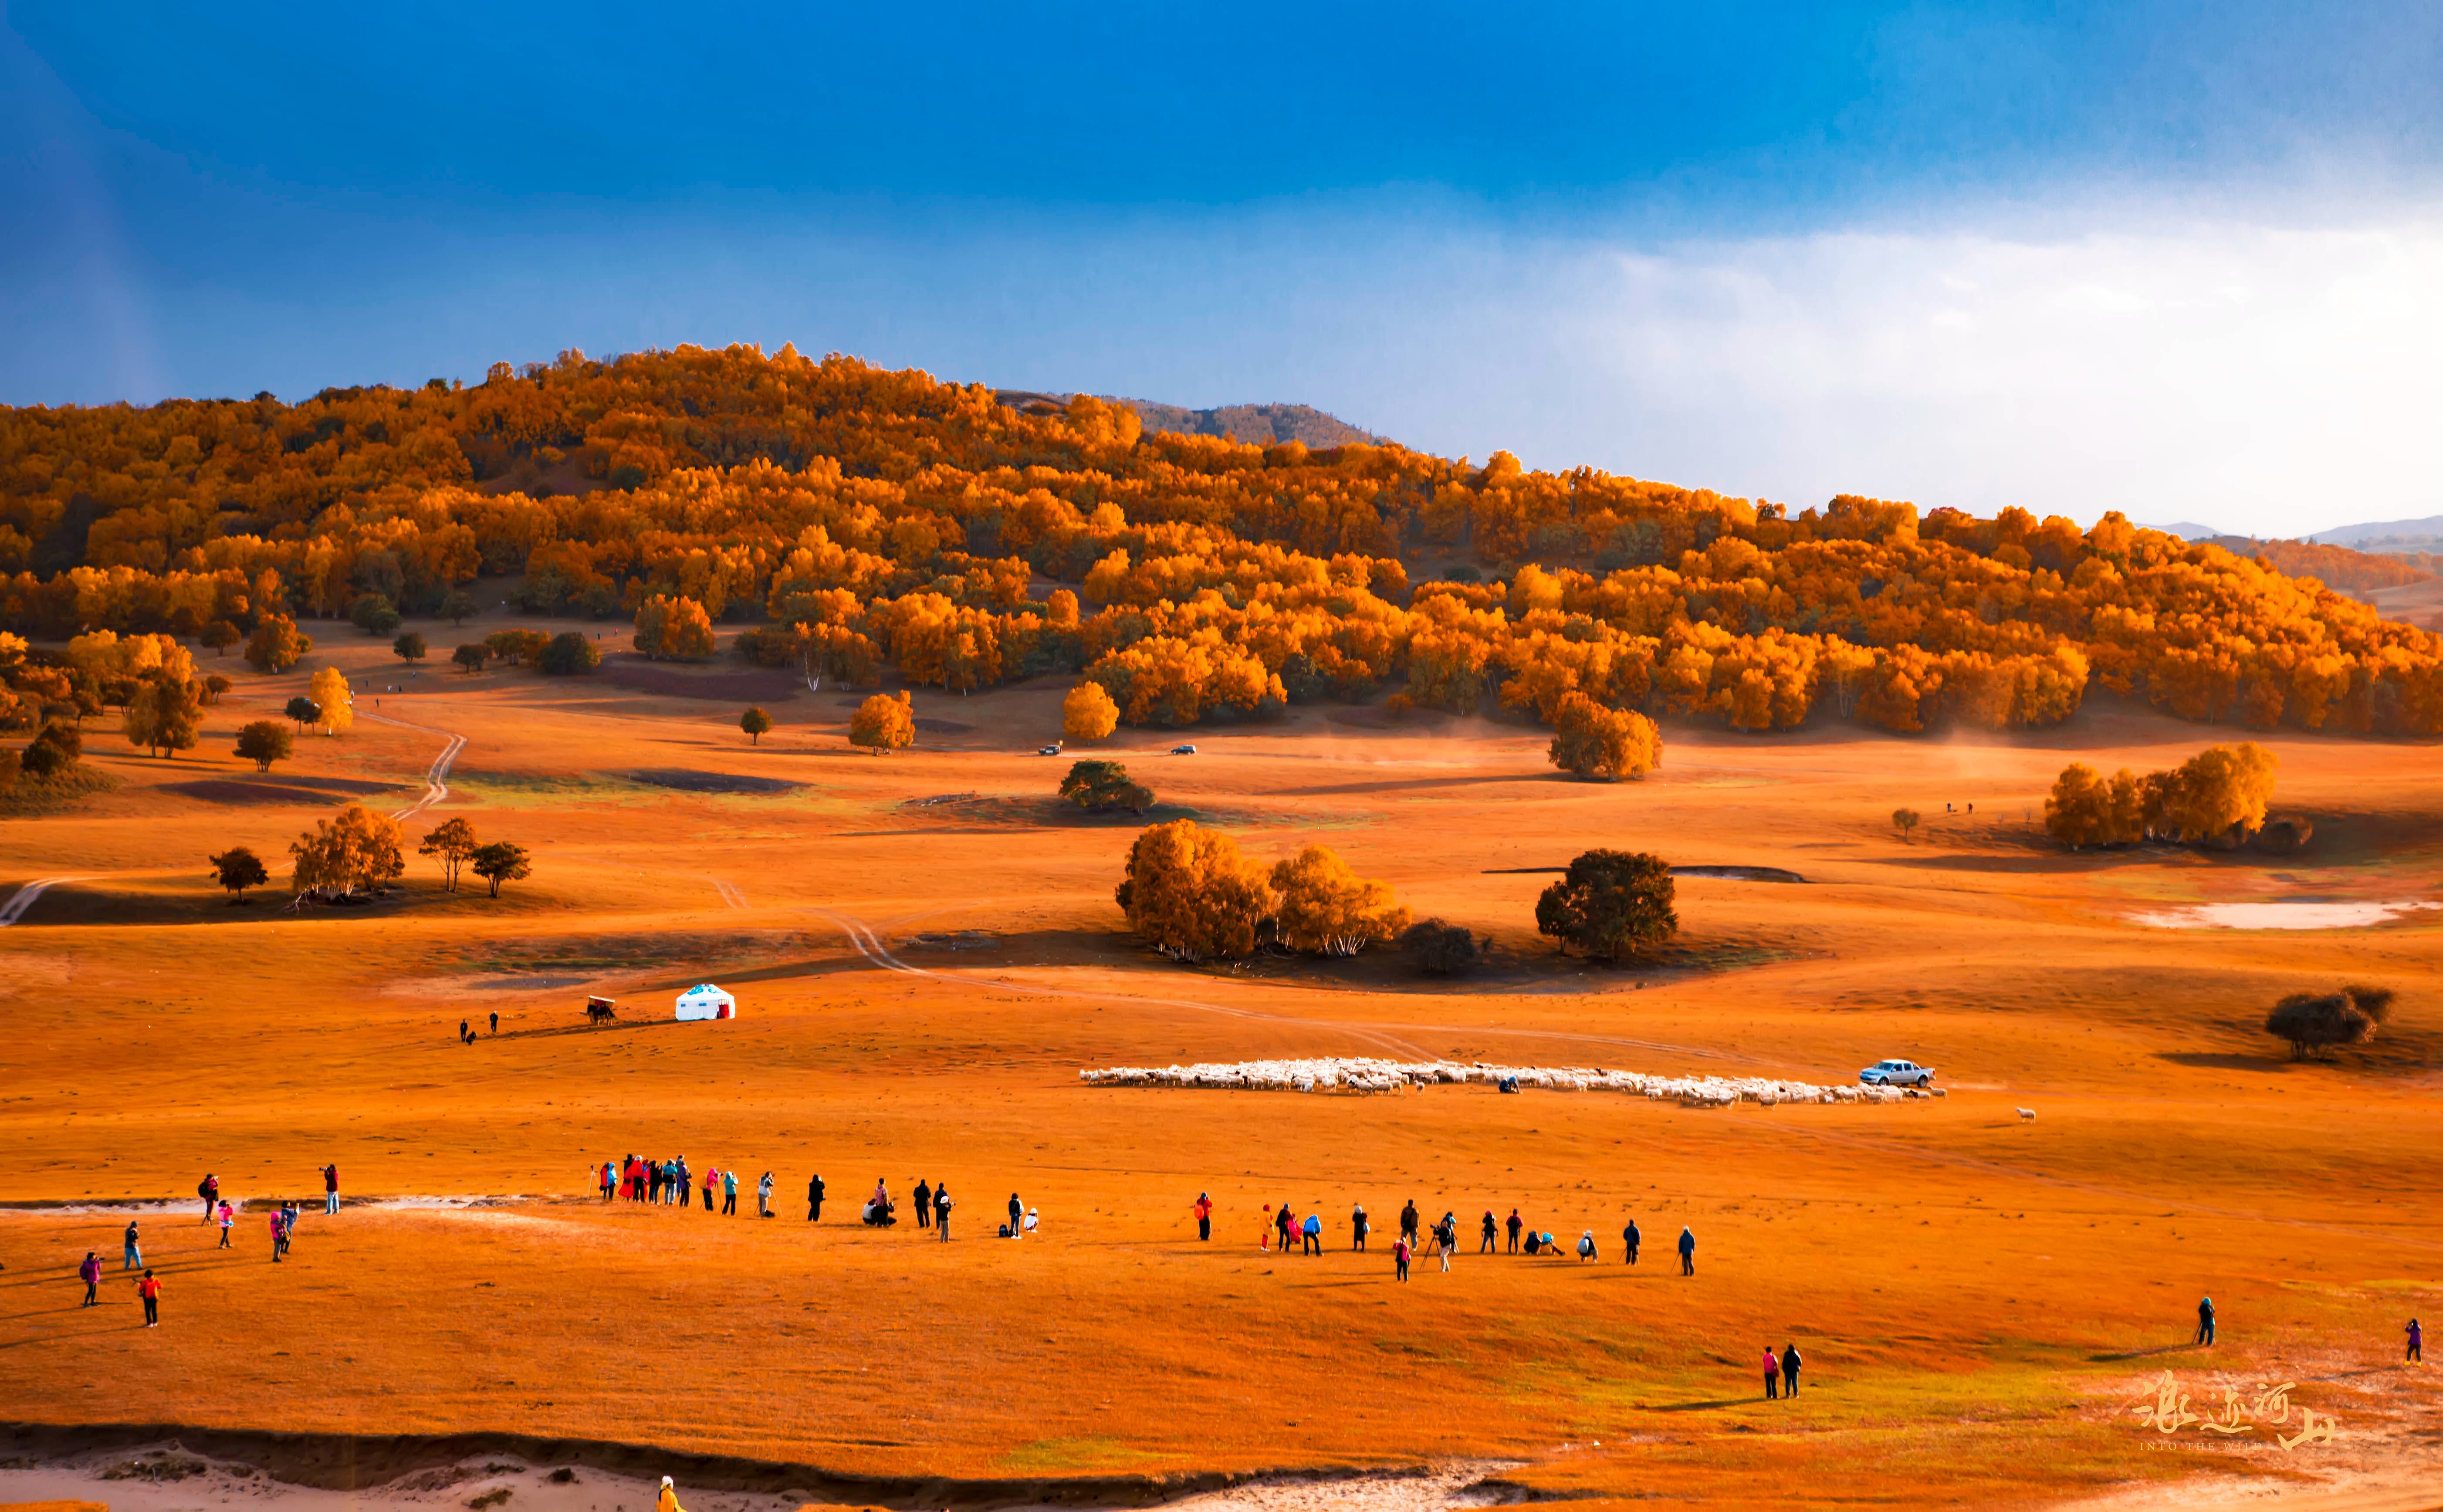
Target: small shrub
[
  {"x": 569, "y": 654},
  {"x": 1438, "y": 949}
]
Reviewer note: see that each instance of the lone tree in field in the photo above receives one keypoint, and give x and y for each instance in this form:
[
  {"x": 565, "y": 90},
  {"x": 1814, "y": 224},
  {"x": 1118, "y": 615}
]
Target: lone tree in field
[
  {"x": 1328, "y": 909},
  {"x": 1438, "y": 949},
  {"x": 163, "y": 714},
  {"x": 2316, "y": 1022},
  {"x": 355, "y": 849},
  {"x": 458, "y": 607},
  {"x": 501, "y": 862},
  {"x": 1904, "y": 819},
  {"x": 238, "y": 869},
  {"x": 1088, "y": 713},
  {"x": 219, "y": 636},
  {"x": 453, "y": 844},
  {"x": 336, "y": 699},
  {"x": 1603, "y": 743},
  {"x": 883, "y": 723},
  {"x": 570, "y": 653},
  {"x": 276, "y": 644},
  {"x": 215, "y": 684},
  {"x": 409, "y": 647},
  {"x": 473, "y": 655},
  {"x": 1611, "y": 904},
  {"x": 755, "y": 722},
  {"x": 1100, "y": 787},
  {"x": 303, "y": 710},
  {"x": 1192, "y": 896},
  {"x": 266, "y": 741}
]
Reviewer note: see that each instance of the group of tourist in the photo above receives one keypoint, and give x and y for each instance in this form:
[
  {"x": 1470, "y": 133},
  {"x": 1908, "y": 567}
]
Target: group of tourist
[
  {"x": 1284, "y": 1226},
  {"x": 667, "y": 1182},
  {"x": 931, "y": 1203}
]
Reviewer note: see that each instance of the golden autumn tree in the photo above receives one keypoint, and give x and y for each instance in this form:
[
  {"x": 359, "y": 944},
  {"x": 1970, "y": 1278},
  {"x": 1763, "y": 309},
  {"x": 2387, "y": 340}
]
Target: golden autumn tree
[
  {"x": 675, "y": 629},
  {"x": 1326, "y": 909},
  {"x": 337, "y": 701},
  {"x": 1192, "y": 895},
  {"x": 276, "y": 644},
  {"x": 883, "y": 723},
  {"x": 357, "y": 848},
  {"x": 1088, "y": 713},
  {"x": 1606, "y": 743}
]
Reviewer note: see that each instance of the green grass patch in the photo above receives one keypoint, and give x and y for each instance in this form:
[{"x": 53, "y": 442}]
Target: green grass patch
[{"x": 1054, "y": 1456}]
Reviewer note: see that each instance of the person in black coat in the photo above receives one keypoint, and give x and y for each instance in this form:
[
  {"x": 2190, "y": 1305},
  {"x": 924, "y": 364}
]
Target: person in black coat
[
  {"x": 1790, "y": 1363},
  {"x": 814, "y": 1199},
  {"x": 1687, "y": 1251},
  {"x": 924, "y": 1205}
]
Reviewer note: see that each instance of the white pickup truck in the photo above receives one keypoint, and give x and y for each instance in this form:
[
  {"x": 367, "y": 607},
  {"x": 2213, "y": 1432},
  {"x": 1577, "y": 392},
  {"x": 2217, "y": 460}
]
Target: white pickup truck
[{"x": 1897, "y": 1074}]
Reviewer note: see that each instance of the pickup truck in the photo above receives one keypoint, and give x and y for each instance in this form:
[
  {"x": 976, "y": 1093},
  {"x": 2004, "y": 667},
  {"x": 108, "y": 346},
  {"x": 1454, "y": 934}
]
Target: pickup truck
[{"x": 1897, "y": 1074}]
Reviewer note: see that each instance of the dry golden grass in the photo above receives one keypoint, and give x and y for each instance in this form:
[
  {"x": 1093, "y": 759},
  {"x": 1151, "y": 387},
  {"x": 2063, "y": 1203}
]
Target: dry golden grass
[{"x": 1978, "y": 1298}]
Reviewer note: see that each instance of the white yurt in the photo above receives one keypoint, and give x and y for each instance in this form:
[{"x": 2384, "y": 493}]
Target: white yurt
[{"x": 707, "y": 1002}]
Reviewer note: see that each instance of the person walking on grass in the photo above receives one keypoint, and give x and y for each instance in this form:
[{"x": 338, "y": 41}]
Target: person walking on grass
[
  {"x": 942, "y": 1211},
  {"x": 1630, "y": 1237},
  {"x": 2416, "y": 1338},
  {"x": 1202, "y": 1209},
  {"x": 1516, "y": 1223},
  {"x": 210, "y": 1190},
  {"x": 331, "y": 1191},
  {"x": 150, "y": 1289},
  {"x": 1017, "y": 1216},
  {"x": 132, "y": 1258},
  {"x": 2205, "y": 1321},
  {"x": 229, "y": 1219},
  {"x": 1772, "y": 1373},
  {"x": 496, "y": 1023},
  {"x": 1491, "y": 1240},
  {"x": 1687, "y": 1250},
  {"x": 763, "y": 1195},
  {"x": 730, "y": 1194},
  {"x": 1790, "y": 1363},
  {"x": 814, "y": 1199},
  {"x": 90, "y": 1273},
  {"x": 1446, "y": 1238},
  {"x": 1358, "y": 1226},
  {"x": 1408, "y": 1222},
  {"x": 1311, "y": 1233},
  {"x": 1400, "y": 1253},
  {"x": 924, "y": 1204}
]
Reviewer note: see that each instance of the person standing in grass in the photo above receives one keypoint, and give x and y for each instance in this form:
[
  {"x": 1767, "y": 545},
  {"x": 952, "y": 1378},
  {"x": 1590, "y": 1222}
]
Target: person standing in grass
[
  {"x": 813, "y": 1198},
  {"x": 1516, "y": 1223},
  {"x": 1687, "y": 1250},
  {"x": 1492, "y": 1237},
  {"x": 1017, "y": 1216},
  {"x": 1203, "y": 1210},
  {"x": 209, "y": 1189},
  {"x": 1630, "y": 1238},
  {"x": 2417, "y": 1335},
  {"x": 1359, "y": 1225},
  {"x": 764, "y": 1196},
  {"x": 279, "y": 1236},
  {"x": 132, "y": 1258},
  {"x": 331, "y": 1191},
  {"x": 1284, "y": 1226},
  {"x": 1771, "y": 1372},
  {"x": 229, "y": 1219},
  {"x": 90, "y": 1273},
  {"x": 1400, "y": 1253},
  {"x": 2205, "y": 1321},
  {"x": 730, "y": 1194},
  {"x": 924, "y": 1201},
  {"x": 150, "y": 1289},
  {"x": 711, "y": 1179},
  {"x": 942, "y": 1211},
  {"x": 1408, "y": 1222},
  {"x": 1790, "y": 1363}
]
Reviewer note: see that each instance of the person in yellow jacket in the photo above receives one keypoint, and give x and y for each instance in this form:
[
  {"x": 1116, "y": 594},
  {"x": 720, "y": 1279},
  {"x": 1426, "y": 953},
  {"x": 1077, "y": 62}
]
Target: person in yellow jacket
[{"x": 669, "y": 1498}]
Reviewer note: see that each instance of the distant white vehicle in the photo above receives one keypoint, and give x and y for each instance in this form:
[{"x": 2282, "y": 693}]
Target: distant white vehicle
[
  {"x": 1053, "y": 749},
  {"x": 707, "y": 1002},
  {"x": 1897, "y": 1074},
  {"x": 1183, "y": 750}
]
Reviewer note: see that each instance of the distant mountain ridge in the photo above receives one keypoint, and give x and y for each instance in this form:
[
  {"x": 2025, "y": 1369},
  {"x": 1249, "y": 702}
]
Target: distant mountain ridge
[
  {"x": 1255, "y": 424},
  {"x": 2387, "y": 536}
]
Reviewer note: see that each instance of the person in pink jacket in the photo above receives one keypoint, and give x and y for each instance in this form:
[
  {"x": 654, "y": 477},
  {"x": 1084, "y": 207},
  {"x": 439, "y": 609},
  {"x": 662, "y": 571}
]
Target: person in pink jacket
[{"x": 90, "y": 1273}]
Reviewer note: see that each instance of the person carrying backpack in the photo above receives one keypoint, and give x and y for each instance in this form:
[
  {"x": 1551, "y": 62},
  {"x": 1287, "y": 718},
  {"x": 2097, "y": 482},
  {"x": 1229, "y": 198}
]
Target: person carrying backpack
[
  {"x": 90, "y": 1273},
  {"x": 1492, "y": 1234},
  {"x": 210, "y": 1190},
  {"x": 1202, "y": 1209}
]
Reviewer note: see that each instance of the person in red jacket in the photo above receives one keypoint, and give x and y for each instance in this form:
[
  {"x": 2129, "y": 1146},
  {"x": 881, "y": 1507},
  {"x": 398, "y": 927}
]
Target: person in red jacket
[
  {"x": 331, "y": 1189},
  {"x": 1203, "y": 1210},
  {"x": 150, "y": 1289}
]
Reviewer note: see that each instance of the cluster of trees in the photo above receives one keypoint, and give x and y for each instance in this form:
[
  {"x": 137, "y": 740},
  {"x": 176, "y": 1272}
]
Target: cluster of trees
[
  {"x": 1610, "y": 905},
  {"x": 2220, "y": 792},
  {"x": 356, "y": 849},
  {"x": 566, "y": 654},
  {"x": 1193, "y": 895},
  {"x": 877, "y": 521},
  {"x": 883, "y": 723},
  {"x": 2315, "y": 1023},
  {"x": 1099, "y": 787}
]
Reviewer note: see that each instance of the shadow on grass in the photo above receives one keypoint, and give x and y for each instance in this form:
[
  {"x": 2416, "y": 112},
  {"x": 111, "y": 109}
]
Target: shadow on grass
[{"x": 2144, "y": 1354}]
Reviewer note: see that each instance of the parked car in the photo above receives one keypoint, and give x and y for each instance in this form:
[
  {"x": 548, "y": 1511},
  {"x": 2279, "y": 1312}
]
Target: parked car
[
  {"x": 1183, "y": 750},
  {"x": 1897, "y": 1074},
  {"x": 1053, "y": 749}
]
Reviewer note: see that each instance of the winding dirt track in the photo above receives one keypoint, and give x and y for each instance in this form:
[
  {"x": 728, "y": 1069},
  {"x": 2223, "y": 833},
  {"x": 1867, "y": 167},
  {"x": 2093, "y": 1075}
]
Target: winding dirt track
[{"x": 435, "y": 789}]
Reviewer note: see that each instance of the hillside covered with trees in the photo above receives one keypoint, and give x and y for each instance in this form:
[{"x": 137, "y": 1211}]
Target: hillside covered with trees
[{"x": 866, "y": 521}]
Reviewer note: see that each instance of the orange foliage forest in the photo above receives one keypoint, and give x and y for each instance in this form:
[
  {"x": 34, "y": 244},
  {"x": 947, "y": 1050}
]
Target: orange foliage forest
[{"x": 866, "y": 521}]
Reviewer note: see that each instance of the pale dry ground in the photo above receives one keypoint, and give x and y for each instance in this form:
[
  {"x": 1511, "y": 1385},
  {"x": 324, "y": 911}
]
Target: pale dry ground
[{"x": 1979, "y": 1298}]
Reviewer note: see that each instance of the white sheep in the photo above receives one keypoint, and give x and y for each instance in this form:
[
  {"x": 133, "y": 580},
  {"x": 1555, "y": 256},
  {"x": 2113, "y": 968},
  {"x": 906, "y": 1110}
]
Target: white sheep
[{"x": 2026, "y": 1115}]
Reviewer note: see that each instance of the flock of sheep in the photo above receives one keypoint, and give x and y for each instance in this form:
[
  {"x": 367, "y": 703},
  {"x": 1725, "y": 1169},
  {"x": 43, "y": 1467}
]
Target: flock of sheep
[{"x": 1360, "y": 1073}]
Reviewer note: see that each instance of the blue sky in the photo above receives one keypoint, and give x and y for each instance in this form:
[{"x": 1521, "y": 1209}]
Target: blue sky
[{"x": 2181, "y": 260}]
